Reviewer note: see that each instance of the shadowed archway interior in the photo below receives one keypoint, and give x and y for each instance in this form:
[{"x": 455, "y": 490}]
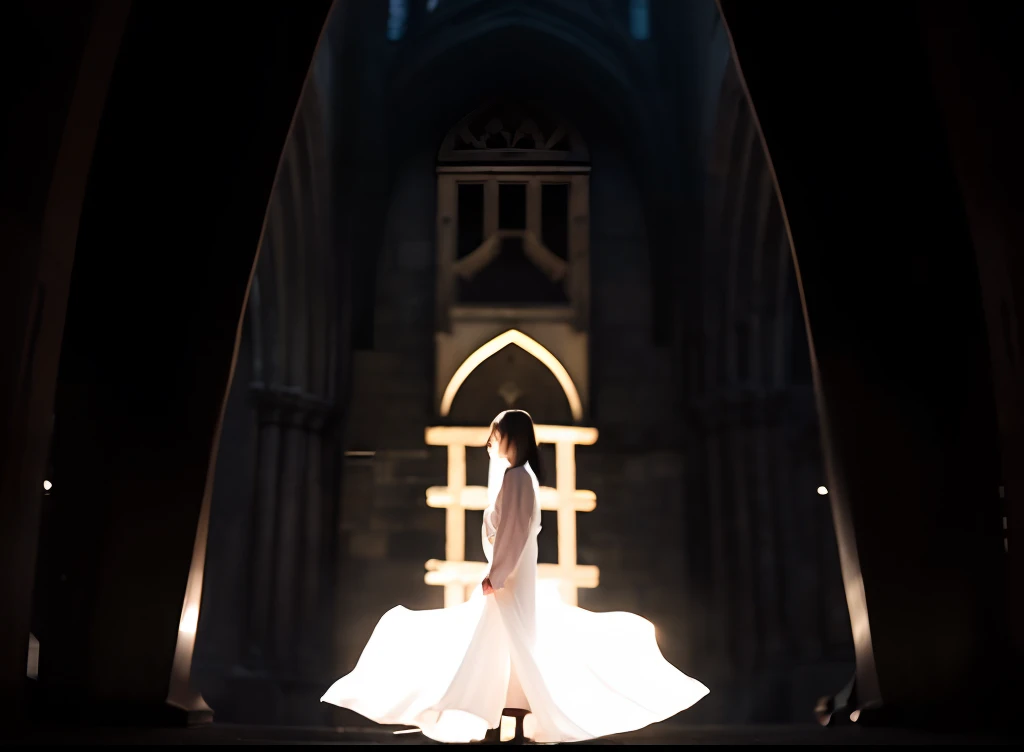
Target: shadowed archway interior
[
  {"x": 708, "y": 460},
  {"x": 735, "y": 215},
  {"x": 521, "y": 379}
]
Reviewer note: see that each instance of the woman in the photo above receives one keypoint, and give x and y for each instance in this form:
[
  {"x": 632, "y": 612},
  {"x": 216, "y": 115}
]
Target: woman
[{"x": 451, "y": 672}]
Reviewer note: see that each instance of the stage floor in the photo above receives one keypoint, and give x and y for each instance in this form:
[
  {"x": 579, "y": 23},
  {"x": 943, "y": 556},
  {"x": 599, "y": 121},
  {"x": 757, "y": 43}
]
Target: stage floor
[{"x": 659, "y": 734}]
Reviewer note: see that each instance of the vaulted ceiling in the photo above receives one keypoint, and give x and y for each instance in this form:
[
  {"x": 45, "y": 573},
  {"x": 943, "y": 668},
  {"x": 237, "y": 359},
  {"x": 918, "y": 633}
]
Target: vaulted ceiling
[{"x": 649, "y": 96}]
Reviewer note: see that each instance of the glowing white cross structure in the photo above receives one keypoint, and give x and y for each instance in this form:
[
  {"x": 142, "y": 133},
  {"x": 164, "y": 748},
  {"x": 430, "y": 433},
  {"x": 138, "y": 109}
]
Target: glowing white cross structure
[{"x": 459, "y": 576}]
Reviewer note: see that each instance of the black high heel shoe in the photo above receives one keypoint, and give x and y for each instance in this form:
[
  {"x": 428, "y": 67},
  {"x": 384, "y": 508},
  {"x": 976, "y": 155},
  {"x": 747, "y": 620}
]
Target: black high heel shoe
[
  {"x": 493, "y": 736},
  {"x": 519, "y": 714}
]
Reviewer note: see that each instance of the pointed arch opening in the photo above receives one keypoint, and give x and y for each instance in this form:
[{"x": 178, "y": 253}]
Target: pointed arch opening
[{"x": 531, "y": 346}]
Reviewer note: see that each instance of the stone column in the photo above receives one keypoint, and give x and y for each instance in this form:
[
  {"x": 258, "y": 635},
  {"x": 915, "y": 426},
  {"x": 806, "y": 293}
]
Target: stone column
[
  {"x": 289, "y": 538},
  {"x": 145, "y": 367},
  {"x": 771, "y": 553},
  {"x": 902, "y": 377},
  {"x": 288, "y": 577}
]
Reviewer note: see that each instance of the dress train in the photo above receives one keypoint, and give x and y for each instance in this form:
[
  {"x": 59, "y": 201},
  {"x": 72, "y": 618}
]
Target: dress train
[{"x": 582, "y": 674}]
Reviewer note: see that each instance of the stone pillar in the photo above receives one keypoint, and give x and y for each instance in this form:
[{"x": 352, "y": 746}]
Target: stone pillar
[
  {"x": 145, "y": 367},
  {"x": 288, "y": 534},
  {"x": 901, "y": 373},
  {"x": 772, "y": 555},
  {"x": 282, "y": 527}
]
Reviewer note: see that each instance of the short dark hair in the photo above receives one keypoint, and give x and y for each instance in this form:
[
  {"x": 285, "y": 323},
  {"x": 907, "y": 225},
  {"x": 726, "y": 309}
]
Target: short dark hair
[{"x": 517, "y": 426}]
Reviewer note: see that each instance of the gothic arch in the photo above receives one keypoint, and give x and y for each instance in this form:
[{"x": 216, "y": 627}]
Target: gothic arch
[
  {"x": 279, "y": 420},
  {"x": 511, "y": 132},
  {"x": 530, "y": 345}
]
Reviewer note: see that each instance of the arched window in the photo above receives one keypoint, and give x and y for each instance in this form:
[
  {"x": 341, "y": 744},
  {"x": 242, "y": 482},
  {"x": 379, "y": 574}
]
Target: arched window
[
  {"x": 639, "y": 19},
  {"x": 398, "y": 10},
  {"x": 513, "y": 223},
  {"x": 513, "y": 184},
  {"x": 531, "y": 346}
]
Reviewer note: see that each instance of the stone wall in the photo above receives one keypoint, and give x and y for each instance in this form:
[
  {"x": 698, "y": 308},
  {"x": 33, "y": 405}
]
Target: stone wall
[
  {"x": 266, "y": 613},
  {"x": 387, "y": 532}
]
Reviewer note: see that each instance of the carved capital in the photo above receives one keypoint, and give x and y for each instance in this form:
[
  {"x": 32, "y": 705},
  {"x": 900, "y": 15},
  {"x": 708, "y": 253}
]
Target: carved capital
[{"x": 290, "y": 406}]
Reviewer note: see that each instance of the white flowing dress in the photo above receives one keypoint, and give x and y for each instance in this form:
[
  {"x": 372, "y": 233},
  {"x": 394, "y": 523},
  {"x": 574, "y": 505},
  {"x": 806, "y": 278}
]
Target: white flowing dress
[{"x": 452, "y": 671}]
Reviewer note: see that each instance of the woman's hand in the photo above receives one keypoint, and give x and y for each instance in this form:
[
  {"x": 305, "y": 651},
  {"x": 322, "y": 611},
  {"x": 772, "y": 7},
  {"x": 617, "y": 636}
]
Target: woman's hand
[{"x": 486, "y": 585}]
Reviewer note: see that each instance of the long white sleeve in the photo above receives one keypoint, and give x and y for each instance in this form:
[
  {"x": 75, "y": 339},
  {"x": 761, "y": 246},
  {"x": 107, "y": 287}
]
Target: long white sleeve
[
  {"x": 488, "y": 531},
  {"x": 513, "y": 512}
]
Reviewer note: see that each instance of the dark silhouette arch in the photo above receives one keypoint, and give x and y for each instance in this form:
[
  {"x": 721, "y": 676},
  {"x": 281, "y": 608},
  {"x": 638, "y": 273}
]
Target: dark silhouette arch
[{"x": 185, "y": 157}]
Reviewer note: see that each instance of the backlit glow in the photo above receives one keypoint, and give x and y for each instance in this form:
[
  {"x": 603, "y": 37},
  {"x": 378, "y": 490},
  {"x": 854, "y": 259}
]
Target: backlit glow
[
  {"x": 530, "y": 345},
  {"x": 189, "y": 621},
  {"x": 459, "y": 577},
  {"x": 508, "y": 729},
  {"x": 613, "y": 657},
  {"x": 584, "y": 674}
]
